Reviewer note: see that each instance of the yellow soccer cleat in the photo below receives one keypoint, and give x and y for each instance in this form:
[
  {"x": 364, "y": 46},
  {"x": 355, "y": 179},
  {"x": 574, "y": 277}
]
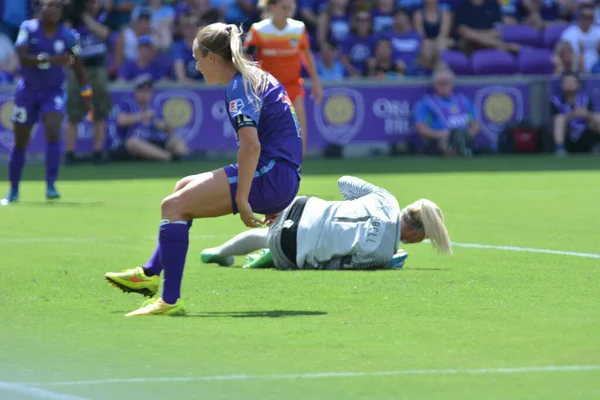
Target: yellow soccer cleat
[
  {"x": 134, "y": 280},
  {"x": 158, "y": 307}
]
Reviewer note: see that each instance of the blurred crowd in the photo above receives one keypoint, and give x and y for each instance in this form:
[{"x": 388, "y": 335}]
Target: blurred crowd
[{"x": 351, "y": 38}]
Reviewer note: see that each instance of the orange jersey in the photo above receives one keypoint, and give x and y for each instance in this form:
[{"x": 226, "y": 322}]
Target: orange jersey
[{"x": 279, "y": 51}]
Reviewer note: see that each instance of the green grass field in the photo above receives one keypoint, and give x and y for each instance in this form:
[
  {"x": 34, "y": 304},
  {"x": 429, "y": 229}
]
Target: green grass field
[{"x": 265, "y": 334}]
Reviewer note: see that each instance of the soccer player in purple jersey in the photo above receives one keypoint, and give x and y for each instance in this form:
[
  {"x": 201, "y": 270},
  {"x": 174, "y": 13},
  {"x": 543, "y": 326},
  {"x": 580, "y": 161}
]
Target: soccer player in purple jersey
[
  {"x": 265, "y": 179},
  {"x": 45, "y": 47}
]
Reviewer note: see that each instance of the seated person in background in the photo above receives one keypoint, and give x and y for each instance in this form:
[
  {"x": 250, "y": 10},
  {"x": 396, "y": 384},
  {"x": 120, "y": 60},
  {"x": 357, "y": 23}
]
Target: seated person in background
[
  {"x": 576, "y": 126},
  {"x": 383, "y": 15},
  {"x": 427, "y": 61},
  {"x": 382, "y": 64},
  {"x": 509, "y": 12},
  {"x": 404, "y": 39},
  {"x": 360, "y": 233},
  {"x": 328, "y": 64},
  {"x": 566, "y": 60},
  {"x": 146, "y": 63},
  {"x": 476, "y": 22},
  {"x": 126, "y": 45},
  {"x": 583, "y": 35},
  {"x": 540, "y": 13},
  {"x": 358, "y": 47},
  {"x": 596, "y": 67},
  {"x": 145, "y": 135},
  {"x": 433, "y": 21},
  {"x": 163, "y": 22},
  {"x": 445, "y": 119},
  {"x": 184, "y": 64}
]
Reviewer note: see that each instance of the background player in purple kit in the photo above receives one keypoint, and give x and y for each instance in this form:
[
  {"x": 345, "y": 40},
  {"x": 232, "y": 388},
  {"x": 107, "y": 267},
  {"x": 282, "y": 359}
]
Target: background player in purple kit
[
  {"x": 265, "y": 179},
  {"x": 45, "y": 47}
]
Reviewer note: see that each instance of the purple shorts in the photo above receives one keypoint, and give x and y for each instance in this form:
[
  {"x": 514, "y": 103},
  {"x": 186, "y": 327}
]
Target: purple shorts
[
  {"x": 274, "y": 187},
  {"x": 30, "y": 104}
]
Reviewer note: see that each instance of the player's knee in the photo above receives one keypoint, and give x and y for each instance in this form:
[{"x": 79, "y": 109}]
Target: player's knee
[
  {"x": 52, "y": 134},
  {"x": 171, "y": 208}
]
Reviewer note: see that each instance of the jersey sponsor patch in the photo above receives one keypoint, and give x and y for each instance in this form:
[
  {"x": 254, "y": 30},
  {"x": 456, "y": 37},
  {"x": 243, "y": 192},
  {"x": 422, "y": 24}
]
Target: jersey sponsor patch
[
  {"x": 242, "y": 121},
  {"x": 236, "y": 105}
]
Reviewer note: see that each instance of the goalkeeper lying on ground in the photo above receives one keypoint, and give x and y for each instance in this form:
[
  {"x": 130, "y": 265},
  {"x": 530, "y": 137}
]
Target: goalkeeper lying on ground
[{"x": 359, "y": 233}]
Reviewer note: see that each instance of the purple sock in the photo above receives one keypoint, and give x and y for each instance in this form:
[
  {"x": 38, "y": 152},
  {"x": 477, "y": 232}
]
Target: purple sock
[
  {"x": 154, "y": 266},
  {"x": 15, "y": 166},
  {"x": 173, "y": 241},
  {"x": 52, "y": 162}
]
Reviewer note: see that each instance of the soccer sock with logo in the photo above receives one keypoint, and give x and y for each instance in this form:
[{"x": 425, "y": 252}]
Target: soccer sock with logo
[
  {"x": 52, "y": 162},
  {"x": 173, "y": 241},
  {"x": 15, "y": 166}
]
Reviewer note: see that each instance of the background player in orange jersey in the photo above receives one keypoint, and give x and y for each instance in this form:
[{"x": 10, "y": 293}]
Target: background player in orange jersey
[{"x": 281, "y": 45}]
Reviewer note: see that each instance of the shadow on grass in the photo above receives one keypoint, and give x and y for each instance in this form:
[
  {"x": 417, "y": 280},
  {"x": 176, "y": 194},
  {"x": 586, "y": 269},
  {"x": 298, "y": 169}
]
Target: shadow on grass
[
  {"x": 248, "y": 314},
  {"x": 256, "y": 314},
  {"x": 58, "y": 203},
  {"x": 334, "y": 167}
]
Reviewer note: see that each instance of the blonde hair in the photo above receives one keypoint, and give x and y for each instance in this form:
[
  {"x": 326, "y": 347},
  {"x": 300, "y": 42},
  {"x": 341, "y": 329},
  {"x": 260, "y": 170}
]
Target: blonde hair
[
  {"x": 557, "y": 61},
  {"x": 427, "y": 215},
  {"x": 225, "y": 40}
]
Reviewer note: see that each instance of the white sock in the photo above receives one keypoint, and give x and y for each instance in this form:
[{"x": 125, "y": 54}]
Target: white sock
[{"x": 244, "y": 243}]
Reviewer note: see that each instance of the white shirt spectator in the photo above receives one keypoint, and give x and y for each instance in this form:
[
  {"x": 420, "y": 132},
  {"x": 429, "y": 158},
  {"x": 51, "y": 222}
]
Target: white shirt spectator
[{"x": 586, "y": 41}]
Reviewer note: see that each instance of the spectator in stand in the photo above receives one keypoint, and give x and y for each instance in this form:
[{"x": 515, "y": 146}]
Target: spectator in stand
[
  {"x": 334, "y": 25},
  {"x": 9, "y": 62},
  {"x": 184, "y": 64},
  {"x": 93, "y": 33},
  {"x": 358, "y": 47},
  {"x": 202, "y": 9},
  {"x": 404, "y": 39},
  {"x": 410, "y": 5},
  {"x": 14, "y": 12},
  {"x": 146, "y": 63},
  {"x": 382, "y": 65},
  {"x": 144, "y": 134},
  {"x": 540, "y": 13},
  {"x": 120, "y": 12},
  {"x": 237, "y": 11},
  {"x": 509, "y": 12},
  {"x": 383, "y": 15},
  {"x": 584, "y": 36},
  {"x": 328, "y": 65},
  {"x": 596, "y": 67},
  {"x": 565, "y": 60},
  {"x": 427, "y": 61},
  {"x": 163, "y": 22},
  {"x": 433, "y": 21},
  {"x": 446, "y": 119},
  {"x": 476, "y": 22},
  {"x": 126, "y": 45},
  {"x": 310, "y": 10},
  {"x": 576, "y": 127}
]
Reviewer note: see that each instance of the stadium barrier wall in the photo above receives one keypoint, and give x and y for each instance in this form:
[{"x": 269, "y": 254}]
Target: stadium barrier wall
[{"x": 363, "y": 113}]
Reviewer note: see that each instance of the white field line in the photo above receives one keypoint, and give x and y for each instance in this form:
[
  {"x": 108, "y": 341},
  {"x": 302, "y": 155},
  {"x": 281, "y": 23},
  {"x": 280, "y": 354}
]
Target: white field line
[
  {"x": 320, "y": 375},
  {"x": 455, "y": 244},
  {"x": 36, "y": 392}
]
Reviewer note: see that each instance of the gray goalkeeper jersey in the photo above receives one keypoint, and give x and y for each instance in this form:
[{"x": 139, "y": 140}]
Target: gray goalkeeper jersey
[{"x": 360, "y": 233}]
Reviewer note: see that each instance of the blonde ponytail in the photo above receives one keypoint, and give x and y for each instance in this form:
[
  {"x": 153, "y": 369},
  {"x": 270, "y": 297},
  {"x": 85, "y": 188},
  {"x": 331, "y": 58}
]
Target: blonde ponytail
[
  {"x": 426, "y": 214},
  {"x": 255, "y": 79},
  {"x": 435, "y": 229},
  {"x": 226, "y": 42}
]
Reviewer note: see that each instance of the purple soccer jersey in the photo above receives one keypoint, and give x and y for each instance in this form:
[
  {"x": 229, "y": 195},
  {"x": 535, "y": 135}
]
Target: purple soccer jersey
[{"x": 41, "y": 88}]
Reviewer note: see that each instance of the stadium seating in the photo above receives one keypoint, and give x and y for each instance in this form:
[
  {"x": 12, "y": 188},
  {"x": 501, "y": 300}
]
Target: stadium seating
[
  {"x": 493, "y": 62},
  {"x": 457, "y": 62},
  {"x": 535, "y": 61},
  {"x": 521, "y": 34}
]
